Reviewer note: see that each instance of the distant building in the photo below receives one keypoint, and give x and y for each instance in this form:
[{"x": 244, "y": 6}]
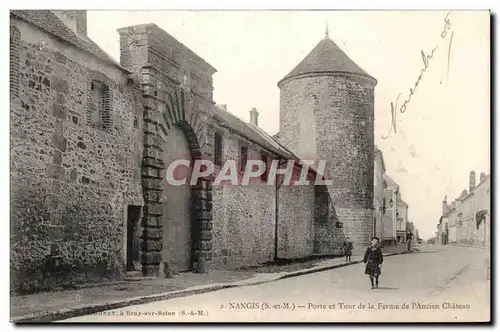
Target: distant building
[
  {"x": 401, "y": 219},
  {"x": 389, "y": 219},
  {"x": 466, "y": 220}
]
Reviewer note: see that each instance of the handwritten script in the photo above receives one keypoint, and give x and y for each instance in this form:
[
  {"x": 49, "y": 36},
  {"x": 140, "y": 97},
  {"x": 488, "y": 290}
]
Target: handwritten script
[{"x": 426, "y": 59}]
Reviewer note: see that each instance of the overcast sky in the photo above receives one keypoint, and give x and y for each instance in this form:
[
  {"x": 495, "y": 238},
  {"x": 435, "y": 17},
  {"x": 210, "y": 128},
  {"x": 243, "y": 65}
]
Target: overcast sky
[{"x": 442, "y": 136}]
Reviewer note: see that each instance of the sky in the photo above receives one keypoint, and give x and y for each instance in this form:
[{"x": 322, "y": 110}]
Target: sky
[{"x": 444, "y": 132}]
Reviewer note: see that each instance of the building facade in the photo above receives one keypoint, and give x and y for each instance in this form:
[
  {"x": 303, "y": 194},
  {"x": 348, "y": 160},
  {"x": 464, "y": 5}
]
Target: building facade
[
  {"x": 401, "y": 219},
  {"x": 76, "y": 153},
  {"x": 92, "y": 141},
  {"x": 468, "y": 216},
  {"x": 379, "y": 199},
  {"x": 390, "y": 215}
]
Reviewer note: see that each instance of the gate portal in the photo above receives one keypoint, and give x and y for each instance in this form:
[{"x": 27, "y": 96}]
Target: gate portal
[{"x": 177, "y": 216}]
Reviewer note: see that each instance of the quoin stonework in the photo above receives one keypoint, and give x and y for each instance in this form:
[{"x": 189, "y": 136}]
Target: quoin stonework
[{"x": 91, "y": 140}]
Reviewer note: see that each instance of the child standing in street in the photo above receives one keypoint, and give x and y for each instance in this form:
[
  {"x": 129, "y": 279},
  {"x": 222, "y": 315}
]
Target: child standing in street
[
  {"x": 348, "y": 249},
  {"x": 373, "y": 259}
]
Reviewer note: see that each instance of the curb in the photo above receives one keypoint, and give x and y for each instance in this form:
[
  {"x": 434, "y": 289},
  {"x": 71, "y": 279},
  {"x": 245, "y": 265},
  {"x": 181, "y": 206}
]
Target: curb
[
  {"x": 93, "y": 308},
  {"x": 89, "y": 309},
  {"x": 326, "y": 268}
]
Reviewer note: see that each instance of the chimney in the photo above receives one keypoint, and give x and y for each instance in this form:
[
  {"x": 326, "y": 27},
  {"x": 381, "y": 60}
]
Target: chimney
[
  {"x": 472, "y": 181},
  {"x": 482, "y": 176},
  {"x": 445, "y": 206},
  {"x": 76, "y": 20},
  {"x": 254, "y": 117}
]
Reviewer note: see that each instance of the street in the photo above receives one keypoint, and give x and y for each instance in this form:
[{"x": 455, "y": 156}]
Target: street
[{"x": 436, "y": 284}]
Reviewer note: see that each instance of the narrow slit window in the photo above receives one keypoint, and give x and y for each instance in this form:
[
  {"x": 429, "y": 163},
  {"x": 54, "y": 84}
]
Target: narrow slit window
[
  {"x": 218, "y": 149},
  {"x": 243, "y": 157}
]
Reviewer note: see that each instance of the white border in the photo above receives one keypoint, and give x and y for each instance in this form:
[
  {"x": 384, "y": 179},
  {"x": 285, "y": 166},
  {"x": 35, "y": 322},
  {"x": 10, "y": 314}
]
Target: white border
[{"x": 190, "y": 4}]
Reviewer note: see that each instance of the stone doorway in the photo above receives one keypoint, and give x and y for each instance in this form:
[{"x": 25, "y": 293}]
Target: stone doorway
[
  {"x": 133, "y": 238},
  {"x": 177, "y": 221},
  {"x": 177, "y": 205}
]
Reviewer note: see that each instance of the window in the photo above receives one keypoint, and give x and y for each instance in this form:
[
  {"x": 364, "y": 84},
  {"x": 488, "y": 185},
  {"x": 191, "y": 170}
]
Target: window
[
  {"x": 99, "y": 105},
  {"x": 14, "y": 62},
  {"x": 218, "y": 149},
  {"x": 243, "y": 157},
  {"x": 264, "y": 175}
]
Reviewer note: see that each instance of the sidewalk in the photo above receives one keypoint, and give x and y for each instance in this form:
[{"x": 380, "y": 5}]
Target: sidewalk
[
  {"x": 47, "y": 307},
  {"x": 469, "y": 245}
]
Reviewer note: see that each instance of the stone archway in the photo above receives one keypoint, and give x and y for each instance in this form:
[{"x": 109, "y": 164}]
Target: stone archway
[{"x": 179, "y": 123}]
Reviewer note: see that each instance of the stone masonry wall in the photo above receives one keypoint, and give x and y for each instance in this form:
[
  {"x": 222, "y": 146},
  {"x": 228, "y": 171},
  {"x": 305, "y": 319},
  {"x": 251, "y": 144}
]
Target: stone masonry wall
[
  {"x": 296, "y": 221},
  {"x": 357, "y": 227},
  {"x": 244, "y": 216},
  {"x": 329, "y": 232},
  {"x": 70, "y": 182},
  {"x": 177, "y": 91},
  {"x": 379, "y": 196},
  {"x": 343, "y": 110}
]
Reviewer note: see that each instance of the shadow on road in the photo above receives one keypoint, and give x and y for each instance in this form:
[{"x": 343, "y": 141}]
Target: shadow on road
[{"x": 387, "y": 288}]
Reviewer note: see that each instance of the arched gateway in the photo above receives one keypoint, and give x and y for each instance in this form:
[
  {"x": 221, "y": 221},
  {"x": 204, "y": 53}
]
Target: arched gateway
[{"x": 177, "y": 219}]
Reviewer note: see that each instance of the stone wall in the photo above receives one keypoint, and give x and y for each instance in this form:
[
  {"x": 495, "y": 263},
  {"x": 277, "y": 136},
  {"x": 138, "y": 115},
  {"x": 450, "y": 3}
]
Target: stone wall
[
  {"x": 177, "y": 87},
  {"x": 342, "y": 107},
  {"x": 70, "y": 182},
  {"x": 356, "y": 226},
  {"x": 243, "y": 225},
  {"x": 244, "y": 216},
  {"x": 241, "y": 221},
  {"x": 296, "y": 215},
  {"x": 379, "y": 203}
]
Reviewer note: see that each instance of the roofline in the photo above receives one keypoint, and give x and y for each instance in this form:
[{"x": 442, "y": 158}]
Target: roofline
[
  {"x": 470, "y": 194},
  {"x": 69, "y": 42},
  {"x": 401, "y": 201},
  {"x": 287, "y": 78},
  {"x": 392, "y": 180},
  {"x": 223, "y": 124},
  {"x": 151, "y": 25},
  {"x": 291, "y": 156}
]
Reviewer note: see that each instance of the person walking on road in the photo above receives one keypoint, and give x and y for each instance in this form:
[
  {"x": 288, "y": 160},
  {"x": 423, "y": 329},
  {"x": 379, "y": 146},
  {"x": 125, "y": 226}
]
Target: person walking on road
[
  {"x": 347, "y": 249},
  {"x": 373, "y": 259}
]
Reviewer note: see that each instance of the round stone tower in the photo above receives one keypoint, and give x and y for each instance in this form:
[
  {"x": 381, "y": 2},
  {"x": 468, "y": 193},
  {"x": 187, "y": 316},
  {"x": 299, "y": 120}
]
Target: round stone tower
[{"x": 327, "y": 112}]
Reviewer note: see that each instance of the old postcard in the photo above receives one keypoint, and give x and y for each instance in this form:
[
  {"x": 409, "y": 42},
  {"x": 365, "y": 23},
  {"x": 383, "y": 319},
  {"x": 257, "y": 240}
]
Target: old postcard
[{"x": 250, "y": 166}]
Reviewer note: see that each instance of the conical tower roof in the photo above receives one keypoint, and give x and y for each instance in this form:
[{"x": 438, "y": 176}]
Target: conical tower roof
[{"x": 326, "y": 57}]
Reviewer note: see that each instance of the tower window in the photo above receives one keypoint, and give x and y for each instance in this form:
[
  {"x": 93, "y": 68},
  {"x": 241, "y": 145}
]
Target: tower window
[
  {"x": 99, "y": 105},
  {"x": 218, "y": 149},
  {"x": 243, "y": 157}
]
